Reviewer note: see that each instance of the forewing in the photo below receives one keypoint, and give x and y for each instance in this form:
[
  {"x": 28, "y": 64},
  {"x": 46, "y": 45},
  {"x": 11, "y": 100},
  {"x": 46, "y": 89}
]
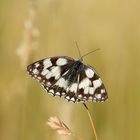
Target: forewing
[
  {"x": 49, "y": 73},
  {"x": 91, "y": 87}
]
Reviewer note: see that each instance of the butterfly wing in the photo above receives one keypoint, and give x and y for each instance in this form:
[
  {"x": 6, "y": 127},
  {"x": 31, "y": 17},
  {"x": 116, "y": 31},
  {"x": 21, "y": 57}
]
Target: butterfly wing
[
  {"x": 49, "y": 72},
  {"x": 88, "y": 87},
  {"x": 59, "y": 77},
  {"x": 91, "y": 87}
]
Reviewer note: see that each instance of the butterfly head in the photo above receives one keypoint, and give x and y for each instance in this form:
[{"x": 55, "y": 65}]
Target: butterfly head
[{"x": 78, "y": 65}]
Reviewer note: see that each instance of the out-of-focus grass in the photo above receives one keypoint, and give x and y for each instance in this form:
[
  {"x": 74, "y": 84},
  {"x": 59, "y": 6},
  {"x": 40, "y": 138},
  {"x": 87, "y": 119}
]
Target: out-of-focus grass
[{"x": 113, "y": 26}]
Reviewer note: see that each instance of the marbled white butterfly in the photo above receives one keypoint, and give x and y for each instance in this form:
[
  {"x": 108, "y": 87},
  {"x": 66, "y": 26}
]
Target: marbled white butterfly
[{"x": 65, "y": 77}]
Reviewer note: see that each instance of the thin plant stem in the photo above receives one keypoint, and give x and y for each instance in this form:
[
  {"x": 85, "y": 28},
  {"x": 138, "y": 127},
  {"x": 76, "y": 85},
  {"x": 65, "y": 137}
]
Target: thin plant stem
[{"x": 91, "y": 121}]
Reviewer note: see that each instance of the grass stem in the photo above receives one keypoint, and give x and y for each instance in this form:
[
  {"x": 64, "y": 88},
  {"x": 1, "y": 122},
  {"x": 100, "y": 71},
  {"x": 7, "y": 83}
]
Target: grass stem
[{"x": 91, "y": 121}]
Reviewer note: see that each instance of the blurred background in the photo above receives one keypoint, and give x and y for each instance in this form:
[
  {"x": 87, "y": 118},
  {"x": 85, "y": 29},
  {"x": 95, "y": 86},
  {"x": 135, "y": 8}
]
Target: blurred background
[{"x": 31, "y": 30}]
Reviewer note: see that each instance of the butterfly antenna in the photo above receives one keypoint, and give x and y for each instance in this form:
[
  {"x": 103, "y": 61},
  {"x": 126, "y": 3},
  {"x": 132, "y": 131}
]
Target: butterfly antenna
[
  {"x": 90, "y": 53},
  {"x": 78, "y": 49}
]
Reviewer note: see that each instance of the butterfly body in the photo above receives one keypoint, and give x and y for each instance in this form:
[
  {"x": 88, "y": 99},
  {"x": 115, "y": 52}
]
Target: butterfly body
[
  {"x": 64, "y": 76},
  {"x": 75, "y": 68}
]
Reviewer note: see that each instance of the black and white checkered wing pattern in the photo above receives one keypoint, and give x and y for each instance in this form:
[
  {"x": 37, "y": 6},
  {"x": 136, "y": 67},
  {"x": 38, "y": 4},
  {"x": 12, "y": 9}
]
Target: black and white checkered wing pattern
[
  {"x": 49, "y": 73},
  {"x": 91, "y": 87},
  {"x": 85, "y": 85},
  {"x": 63, "y": 76}
]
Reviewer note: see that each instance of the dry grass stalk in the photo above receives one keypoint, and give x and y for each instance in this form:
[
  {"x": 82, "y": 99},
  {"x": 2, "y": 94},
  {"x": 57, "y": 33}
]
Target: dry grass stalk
[
  {"x": 60, "y": 127},
  {"x": 30, "y": 35}
]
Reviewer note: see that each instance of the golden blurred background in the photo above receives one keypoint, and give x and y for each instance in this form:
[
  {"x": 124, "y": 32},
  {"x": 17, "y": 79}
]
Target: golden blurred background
[{"x": 32, "y": 30}]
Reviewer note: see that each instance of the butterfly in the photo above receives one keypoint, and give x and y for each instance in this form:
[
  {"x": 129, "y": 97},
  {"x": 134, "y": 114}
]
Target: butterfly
[{"x": 72, "y": 79}]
